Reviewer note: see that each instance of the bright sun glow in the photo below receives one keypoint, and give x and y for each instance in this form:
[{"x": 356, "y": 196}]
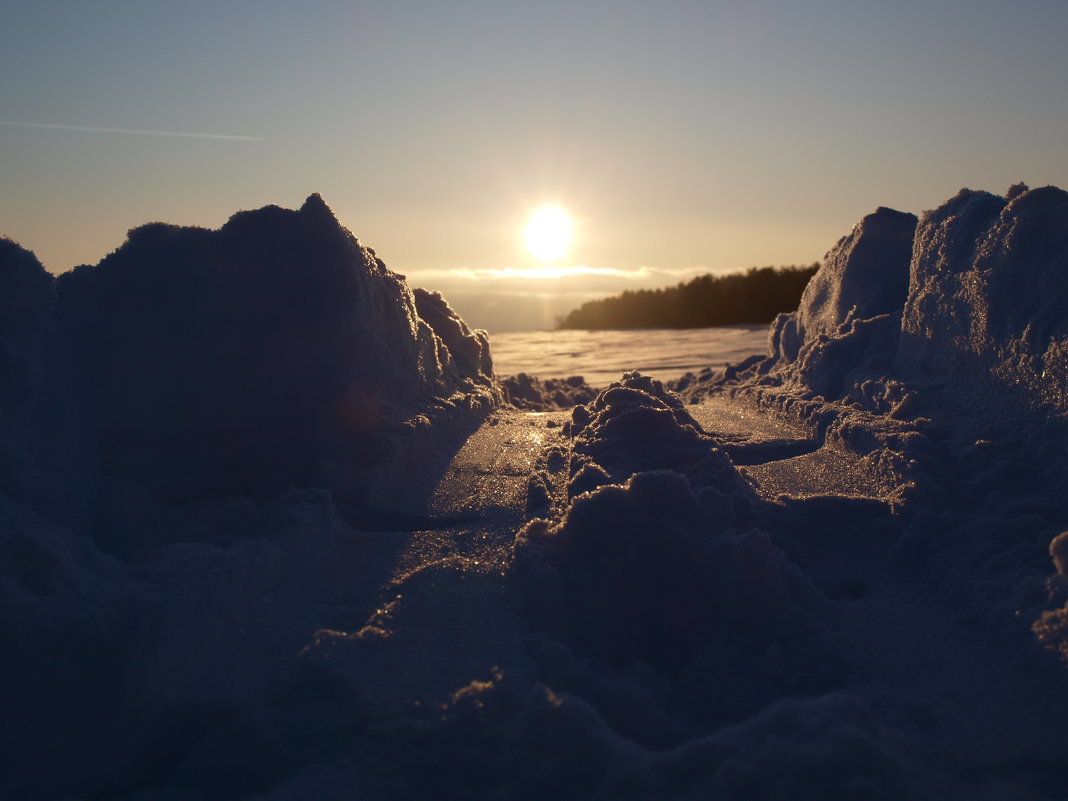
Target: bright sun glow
[{"x": 548, "y": 233}]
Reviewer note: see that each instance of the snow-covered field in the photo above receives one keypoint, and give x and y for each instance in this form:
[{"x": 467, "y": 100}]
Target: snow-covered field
[
  {"x": 602, "y": 356},
  {"x": 303, "y": 549}
]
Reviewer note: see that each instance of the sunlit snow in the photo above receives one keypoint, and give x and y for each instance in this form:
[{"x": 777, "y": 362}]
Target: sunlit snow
[{"x": 603, "y": 356}]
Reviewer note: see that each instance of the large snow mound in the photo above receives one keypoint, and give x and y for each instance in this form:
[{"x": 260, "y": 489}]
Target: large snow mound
[
  {"x": 908, "y": 322},
  {"x": 988, "y": 292},
  {"x": 937, "y": 350},
  {"x": 973, "y": 295},
  {"x": 155, "y": 410},
  {"x": 213, "y": 362},
  {"x": 865, "y": 275}
]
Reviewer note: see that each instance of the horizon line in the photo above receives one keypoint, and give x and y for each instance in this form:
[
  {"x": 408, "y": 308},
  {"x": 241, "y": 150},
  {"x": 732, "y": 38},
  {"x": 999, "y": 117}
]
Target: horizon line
[{"x": 135, "y": 131}]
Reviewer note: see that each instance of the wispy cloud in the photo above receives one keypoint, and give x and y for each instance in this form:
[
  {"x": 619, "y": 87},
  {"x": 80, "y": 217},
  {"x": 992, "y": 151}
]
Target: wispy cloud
[{"x": 137, "y": 131}]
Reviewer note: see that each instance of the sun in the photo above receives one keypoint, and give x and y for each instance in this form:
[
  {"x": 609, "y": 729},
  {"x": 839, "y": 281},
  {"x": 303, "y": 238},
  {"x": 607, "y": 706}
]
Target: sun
[{"x": 548, "y": 233}]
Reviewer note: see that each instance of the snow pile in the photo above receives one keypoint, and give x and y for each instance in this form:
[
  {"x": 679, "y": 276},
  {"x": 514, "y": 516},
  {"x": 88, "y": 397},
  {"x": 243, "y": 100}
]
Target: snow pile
[
  {"x": 520, "y": 739},
  {"x": 650, "y": 558},
  {"x": 468, "y": 348},
  {"x": 984, "y": 348},
  {"x": 534, "y": 394},
  {"x": 215, "y": 362},
  {"x": 988, "y": 296},
  {"x": 849, "y": 309},
  {"x": 154, "y": 411},
  {"x": 121, "y": 676},
  {"x": 907, "y": 321},
  {"x": 937, "y": 350},
  {"x": 39, "y": 441},
  {"x": 680, "y": 653},
  {"x": 66, "y": 612},
  {"x": 27, "y": 295},
  {"x": 635, "y": 425},
  {"x": 970, "y": 298}
]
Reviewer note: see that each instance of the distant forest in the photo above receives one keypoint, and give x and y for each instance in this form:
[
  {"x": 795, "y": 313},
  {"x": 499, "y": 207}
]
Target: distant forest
[{"x": 751, "y": 297}]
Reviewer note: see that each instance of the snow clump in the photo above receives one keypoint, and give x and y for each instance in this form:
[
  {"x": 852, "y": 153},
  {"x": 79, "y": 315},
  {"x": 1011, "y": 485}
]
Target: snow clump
[{"x": 653, "y": 560}]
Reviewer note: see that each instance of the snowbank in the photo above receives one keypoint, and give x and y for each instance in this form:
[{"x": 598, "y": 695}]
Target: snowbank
[
  {"x": 214, "y": 362},
  {"x": 155, "y": 409},
  {"x": 971, "y": 297},
  {"x": 987, "y": 297},
  {"x": 937, "y": 350}
]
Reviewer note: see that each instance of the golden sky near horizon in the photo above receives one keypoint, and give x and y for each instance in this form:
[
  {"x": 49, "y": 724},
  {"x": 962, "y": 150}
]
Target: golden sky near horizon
[{"x": 680, "y": 138}]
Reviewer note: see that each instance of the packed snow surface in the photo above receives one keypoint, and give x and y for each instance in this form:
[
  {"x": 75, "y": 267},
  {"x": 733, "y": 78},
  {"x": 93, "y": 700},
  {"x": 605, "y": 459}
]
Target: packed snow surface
[{"x": 274, "y": 526}]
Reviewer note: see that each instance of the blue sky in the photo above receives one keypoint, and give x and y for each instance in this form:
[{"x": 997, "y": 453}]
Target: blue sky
[{"x": 682, "y": 136}]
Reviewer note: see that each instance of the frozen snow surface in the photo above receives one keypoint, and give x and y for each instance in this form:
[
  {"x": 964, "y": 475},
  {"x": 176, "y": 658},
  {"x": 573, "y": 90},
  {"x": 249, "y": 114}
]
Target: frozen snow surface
[
  {"x": 271, "y": 527},
  {"x": 601, "y": 357}
]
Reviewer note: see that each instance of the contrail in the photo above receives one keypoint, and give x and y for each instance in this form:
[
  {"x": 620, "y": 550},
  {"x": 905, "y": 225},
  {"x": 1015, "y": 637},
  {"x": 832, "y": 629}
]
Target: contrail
[{"x": 93, "y": 129}]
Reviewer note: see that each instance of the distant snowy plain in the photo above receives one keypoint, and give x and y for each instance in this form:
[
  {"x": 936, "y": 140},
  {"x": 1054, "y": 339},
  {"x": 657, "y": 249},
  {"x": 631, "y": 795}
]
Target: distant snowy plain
[{"x": 602, "y": 356}]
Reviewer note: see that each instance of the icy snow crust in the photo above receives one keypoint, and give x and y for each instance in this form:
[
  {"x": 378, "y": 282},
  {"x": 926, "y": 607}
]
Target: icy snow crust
[{"x": 271, "y": 529}]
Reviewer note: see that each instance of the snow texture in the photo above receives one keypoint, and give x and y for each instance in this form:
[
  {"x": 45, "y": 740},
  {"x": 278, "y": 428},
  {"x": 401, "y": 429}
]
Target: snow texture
[
  {"x": 601, "y": 357},
  {"x": 973, "y": 294},
  {"x": 653, "y": 560},
  {"x": 530, "y": 392},
  {"x": 214, "y": 362},
  {"x": 937, "y": 351},
  {"x": 169, "y": 396},
  {"x": 252, "y": 545}
]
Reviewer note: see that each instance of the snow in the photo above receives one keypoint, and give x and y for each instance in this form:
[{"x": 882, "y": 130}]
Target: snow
[
  {"x": 530, "y": 392},
  {"x": 601, "y": 357},
  {"x": 269, "y": 529},
  {"x": 212, "y": 361}
]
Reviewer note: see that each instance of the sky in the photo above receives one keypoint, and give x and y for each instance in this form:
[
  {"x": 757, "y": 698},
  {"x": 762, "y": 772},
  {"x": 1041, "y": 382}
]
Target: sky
[{"x": 682, "y": 137}]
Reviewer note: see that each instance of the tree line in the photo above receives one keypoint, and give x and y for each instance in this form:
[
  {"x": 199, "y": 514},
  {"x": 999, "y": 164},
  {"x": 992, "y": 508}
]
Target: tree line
[{"x": 751, "y": 297}]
